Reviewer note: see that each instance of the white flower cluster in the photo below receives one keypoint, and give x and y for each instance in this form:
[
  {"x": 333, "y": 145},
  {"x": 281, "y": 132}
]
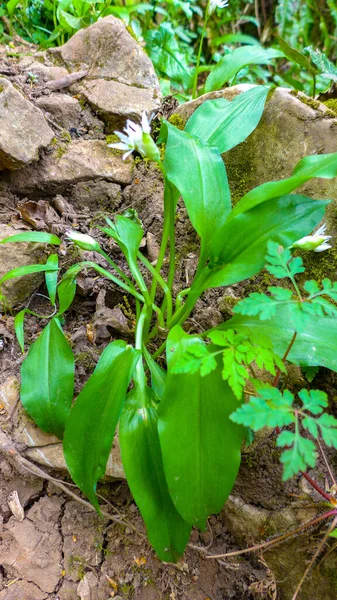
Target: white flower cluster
[
  {"x": 137, "y": 137},
  {"x": 214, "y": 4}
]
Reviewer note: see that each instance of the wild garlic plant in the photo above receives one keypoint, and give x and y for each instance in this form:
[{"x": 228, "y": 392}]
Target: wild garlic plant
[{"x": 182, "y": 422}]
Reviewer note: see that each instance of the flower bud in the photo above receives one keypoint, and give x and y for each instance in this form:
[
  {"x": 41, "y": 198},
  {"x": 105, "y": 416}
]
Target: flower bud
[{"x": 83, "y": 241}]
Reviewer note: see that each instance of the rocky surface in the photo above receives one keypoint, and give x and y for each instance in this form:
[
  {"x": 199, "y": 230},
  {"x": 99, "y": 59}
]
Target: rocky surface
[
  {"x": 24, "y": 130},
  {"x": 17, "y": 255},
  {"x": 78, "y": 161},
  {"x": 293, "y": 126},
  {"x": 76, "y": 182},
  {"x": 109, "y": 52}
]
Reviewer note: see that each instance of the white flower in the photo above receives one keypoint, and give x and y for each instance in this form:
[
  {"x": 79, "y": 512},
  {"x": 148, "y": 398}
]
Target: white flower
[
  {"x": 86, "y": 242},
  {"x": 214, "y": 4},
  {"x": 137, "y": 137},
  {"x": 315, "y": 242}
]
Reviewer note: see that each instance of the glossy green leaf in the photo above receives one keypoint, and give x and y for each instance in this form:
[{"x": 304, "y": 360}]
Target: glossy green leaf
[
  {"x": 199, "y": 174},
  {"x": 143, "y": 466},
  {"x": 128, "y": 234},
  {"x": 200, "y": 445},
  {"x": 27, "y": 270},
  {"x": 19, "y": 328},
  {"x": 239, "y": 247},
  {"x": 296, "y": 56},
  {"x": 316, "y": 346},
  {"x": 47, "y": 380},
  {"x": 33, "y": 236},
  {"x": 92, "y": 423},
  {"x": 158, "y": 376},
  {"x": 166, "y": 54},
  {"x": 66, "y": 293},
  {"x": 51, "y": 277},
  {"x": 231, "y": 64},
  {"x": 11, "y": 6},
  {"x": 325, "y": 67},
  {"x": 319, "y": 165},
  {"x": 226, "y": 124}
]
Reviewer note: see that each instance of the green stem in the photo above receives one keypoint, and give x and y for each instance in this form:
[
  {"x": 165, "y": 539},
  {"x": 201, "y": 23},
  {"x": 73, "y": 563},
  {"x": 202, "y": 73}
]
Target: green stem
[
  {"x": 114, "y": 266},
  {"x": 195, "y": 83},
  {"x": 161, "y": 282},
  {"x": 164, "y": 241},
  {"x": 139, "y": 376}
]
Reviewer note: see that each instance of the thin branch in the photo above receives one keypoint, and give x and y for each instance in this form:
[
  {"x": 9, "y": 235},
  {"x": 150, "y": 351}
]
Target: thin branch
[{"x": 277, "y": 540}]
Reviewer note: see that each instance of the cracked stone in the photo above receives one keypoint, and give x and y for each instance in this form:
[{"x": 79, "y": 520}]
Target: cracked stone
[
  {"x": 22, "y": 590},
  {"x": 87, "y": 588},
  {"x": 63, "y": 109},
  {"x": 117, "y": 102},
  {"x": 24, "y": 130},
  {"x": 79, "y": 160},
  {"x": 31, "y": 549}
]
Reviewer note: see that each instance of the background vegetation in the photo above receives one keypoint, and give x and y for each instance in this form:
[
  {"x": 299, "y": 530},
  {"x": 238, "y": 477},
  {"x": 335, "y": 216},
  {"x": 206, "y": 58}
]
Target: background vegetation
[{"x": 170, "y": 32}]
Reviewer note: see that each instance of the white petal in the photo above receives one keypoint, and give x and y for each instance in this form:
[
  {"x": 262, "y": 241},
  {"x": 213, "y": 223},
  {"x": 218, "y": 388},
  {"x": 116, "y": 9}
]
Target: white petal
[
  {"x": 145, "y": 123},
  {"x": 321, "y": 230},
  {"x": 127, "y": 154},
  {"x": 322, "y": 247},
  {"x": 119, "y": 146}
]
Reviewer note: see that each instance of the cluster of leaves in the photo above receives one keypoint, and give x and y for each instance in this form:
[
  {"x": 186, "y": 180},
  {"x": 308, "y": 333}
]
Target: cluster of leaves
[
  {"x": 171, "y": 32},
  {"x": 273, "y": 408},
  {"x": 180, "y": 449},
  {"x": 281, "y": 264},
  {"x": 237, "y": 353}
]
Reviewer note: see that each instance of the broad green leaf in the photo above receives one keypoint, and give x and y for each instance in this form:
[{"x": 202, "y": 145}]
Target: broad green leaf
[
  {"x": 11, "y": 6},
  {"x": 128, "y": 234},
  {"x": 27, "y": 270},
  {"x": 51, "y": 277},
  {"x": 92, "y": 423},
  {"x": 296, "y": 56},
  {"x": 239, "y": 247},
  {"x": 66, "y": 291},
  {"x": 33, "y": 236},
  {"x": 199, "y": 174},
  {"x": 226, "y": 124},
  {"x": 19, "y": 328},
  {"x": 231, "y": 64},
  {"x": 325, "y": 67},
  {"x": 236, "y": 38},
  {"x": 200, "y": 445},
  {"x": 166, "y": 55},
  {"x": 143, "y": 466},
  {"x": 323, "y": 166},
  {"x": 315, "y": 346},
  {"x": 47, "y": 380},
  {"x": 73, "y": 22}
]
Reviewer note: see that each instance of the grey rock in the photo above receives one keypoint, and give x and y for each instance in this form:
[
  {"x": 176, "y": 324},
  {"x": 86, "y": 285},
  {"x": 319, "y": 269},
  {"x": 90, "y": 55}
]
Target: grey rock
[
  {"x": 63, "y": 109},
  {"x": 46, "y": 73},
  {"x": 292, "y": 127},
  {"x": 93, "y": 195},
  {"x": 24, "y": 130},
  {"x": 19, "y": 289},
  {"x": 108, "y": 51},
  {"x": 117, "y": 102},
  {"x": 77, "y": 161}
]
